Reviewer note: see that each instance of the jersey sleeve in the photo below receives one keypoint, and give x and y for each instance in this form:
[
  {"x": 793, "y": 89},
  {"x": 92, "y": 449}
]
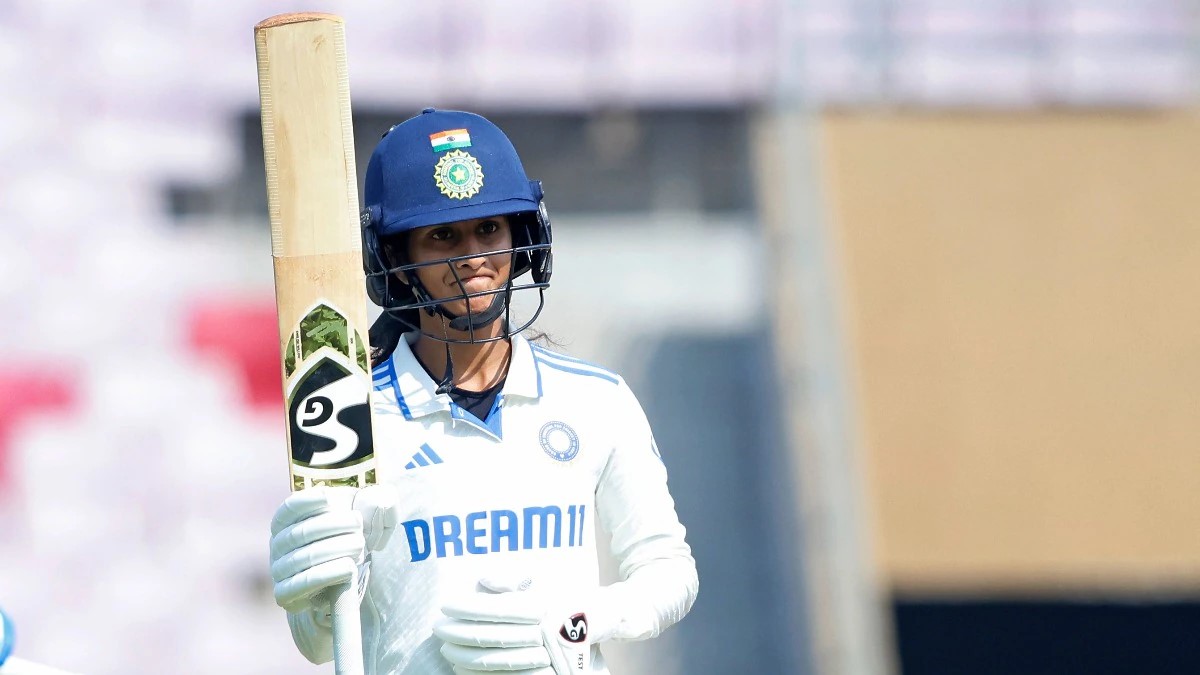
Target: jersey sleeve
[{"x": 658, "y": 581}]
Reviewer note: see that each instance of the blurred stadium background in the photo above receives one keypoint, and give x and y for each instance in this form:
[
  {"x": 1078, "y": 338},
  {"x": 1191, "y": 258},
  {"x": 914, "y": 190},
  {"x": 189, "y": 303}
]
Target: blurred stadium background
[{"x": 908, "y": 289}]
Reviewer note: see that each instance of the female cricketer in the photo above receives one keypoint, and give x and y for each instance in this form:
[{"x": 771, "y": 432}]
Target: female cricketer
[{"x": 498, "y": 458}]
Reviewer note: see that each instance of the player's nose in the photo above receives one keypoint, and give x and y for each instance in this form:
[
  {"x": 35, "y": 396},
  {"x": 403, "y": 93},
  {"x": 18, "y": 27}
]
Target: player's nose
[{"x": 471, "y": 251}]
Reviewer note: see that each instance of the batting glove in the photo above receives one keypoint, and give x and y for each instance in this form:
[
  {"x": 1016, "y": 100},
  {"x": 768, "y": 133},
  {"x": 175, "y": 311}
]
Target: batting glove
[
  {"x": 514, "y": 628},
  {"x": 320, "y": 537}
]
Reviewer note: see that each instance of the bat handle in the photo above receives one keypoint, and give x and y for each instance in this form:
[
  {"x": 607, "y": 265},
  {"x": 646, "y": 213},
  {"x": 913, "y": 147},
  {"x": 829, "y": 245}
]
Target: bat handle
[{"x": 347, "y": 628}]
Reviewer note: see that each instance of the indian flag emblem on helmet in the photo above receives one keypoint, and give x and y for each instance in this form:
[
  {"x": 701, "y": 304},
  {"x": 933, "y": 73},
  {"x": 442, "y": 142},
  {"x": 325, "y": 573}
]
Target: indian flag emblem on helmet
[
  {"x": 458, "y": 175},
  {"x": 450, "y": 139}
]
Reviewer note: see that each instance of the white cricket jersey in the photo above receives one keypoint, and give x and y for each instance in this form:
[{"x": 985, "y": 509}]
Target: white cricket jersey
[{"x": 565, "y": 449}]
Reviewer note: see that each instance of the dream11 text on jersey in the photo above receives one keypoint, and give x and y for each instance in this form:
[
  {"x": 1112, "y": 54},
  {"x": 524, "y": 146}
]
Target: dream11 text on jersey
[{"x": 484, "y": 532}]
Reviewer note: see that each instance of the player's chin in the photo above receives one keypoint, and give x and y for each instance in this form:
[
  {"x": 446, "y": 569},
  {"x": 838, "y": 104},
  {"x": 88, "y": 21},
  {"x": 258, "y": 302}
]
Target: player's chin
[
  {"x": 475, "y": 305},
  {"x": 480, "y": 304}
]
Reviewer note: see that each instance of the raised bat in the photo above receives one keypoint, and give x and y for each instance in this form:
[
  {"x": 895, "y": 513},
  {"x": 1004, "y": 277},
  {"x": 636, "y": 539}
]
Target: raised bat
[{"x": 312, "y": 198}]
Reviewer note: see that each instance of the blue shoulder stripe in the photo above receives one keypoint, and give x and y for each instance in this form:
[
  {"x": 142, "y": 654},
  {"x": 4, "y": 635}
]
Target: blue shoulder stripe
[
  {"x": 544, "y": 355},
  {"x": 383, "y": 375},
  {"x": 559, "y": 355},
  {"x": 384, "y": 378},
  {"x": 604, "y": 375}
]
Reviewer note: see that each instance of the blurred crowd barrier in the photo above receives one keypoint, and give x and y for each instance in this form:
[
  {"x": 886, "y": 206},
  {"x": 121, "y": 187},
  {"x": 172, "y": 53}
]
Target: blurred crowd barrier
[
  {"x": 1019, "y": 305},
  {"x": 1020, "y": 297},
  {"x": 1015, "y": 291}
]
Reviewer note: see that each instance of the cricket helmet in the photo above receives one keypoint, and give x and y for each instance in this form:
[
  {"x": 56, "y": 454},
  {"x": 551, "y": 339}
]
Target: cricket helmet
[{"x": 444, "y": 166}]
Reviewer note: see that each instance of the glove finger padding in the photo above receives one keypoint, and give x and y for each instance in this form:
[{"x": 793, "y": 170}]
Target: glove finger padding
[
  {"x": 518, "y": 607},
  {"x": 491, "y": 660},
  {"x": 502, "y": 629},
  {"x": 378, "y": 506},
  {"x": 305, "y": 504},
  {"x": 314, "y": 529},
  {"x": 480, "y": 634},
  {"x": 321, "y": 535},
  {"x": 295, "y": 593},
  {"x": 349, "y": 546}
]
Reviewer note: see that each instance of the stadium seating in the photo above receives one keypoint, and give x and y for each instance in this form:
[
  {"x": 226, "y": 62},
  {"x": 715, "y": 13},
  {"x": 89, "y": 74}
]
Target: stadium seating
[
  {"x": 26, "y": 391},
  {"x": 245, "y": 335}
]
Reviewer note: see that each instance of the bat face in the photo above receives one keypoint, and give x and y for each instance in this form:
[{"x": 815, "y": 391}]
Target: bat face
[
  {"x": 327, "y": 400},
  {"x": 312, "y": 196}
]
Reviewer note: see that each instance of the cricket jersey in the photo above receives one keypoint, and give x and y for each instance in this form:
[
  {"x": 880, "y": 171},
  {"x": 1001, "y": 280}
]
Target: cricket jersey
[{"x": 566, "y": 448}]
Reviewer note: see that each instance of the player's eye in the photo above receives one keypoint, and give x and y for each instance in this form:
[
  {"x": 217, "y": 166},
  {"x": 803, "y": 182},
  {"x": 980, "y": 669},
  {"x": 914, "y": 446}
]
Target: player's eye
[
  {"x": 441, "y": 234},
  {"x": 488, "y": 227}
]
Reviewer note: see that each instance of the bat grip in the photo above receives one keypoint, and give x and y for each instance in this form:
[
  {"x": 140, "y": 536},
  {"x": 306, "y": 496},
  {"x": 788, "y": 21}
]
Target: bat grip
[{"x": 347, "y": 628}]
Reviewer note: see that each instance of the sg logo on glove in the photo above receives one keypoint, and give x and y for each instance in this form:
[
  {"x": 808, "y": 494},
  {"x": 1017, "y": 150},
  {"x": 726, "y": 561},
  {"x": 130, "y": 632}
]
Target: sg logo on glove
[{"x": 574, "y": 629}]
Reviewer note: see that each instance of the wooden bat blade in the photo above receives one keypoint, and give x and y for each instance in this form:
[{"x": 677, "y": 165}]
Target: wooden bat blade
[{"x": 312, "y": 197}]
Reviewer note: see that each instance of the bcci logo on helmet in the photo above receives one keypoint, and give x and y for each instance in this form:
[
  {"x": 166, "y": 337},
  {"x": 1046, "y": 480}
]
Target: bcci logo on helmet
[
  {"x": 574, "y": 629},
  {"x": 559, "y": 441},
  {"x": 458, "y": 175}
]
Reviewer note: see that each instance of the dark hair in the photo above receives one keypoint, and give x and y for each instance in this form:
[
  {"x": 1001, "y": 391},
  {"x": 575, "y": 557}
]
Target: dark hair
[{"x": 541, "y": 337}]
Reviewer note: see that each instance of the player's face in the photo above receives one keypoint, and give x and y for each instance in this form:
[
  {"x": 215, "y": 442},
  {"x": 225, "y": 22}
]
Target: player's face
[{"x": 476, "y": 272}]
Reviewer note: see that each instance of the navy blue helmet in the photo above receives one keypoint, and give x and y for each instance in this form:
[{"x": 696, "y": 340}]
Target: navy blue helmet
[{"x": 444, "y": 166}]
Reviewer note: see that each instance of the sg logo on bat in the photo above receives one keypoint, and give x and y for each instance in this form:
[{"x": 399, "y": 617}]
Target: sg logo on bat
[
  {"x": 330, "y": 418},
  {"x": 328, "y": 388}
]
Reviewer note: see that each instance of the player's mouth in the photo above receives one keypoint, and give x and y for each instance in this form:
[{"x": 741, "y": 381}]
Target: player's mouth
[{"x": 475, "y": 282}]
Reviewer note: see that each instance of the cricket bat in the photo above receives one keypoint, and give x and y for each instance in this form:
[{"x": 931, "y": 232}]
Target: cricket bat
[{"x": 312, "y": 200}]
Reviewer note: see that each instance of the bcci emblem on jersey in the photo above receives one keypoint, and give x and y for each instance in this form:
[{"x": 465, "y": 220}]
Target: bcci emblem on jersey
[{"x": 559, "y": 441}]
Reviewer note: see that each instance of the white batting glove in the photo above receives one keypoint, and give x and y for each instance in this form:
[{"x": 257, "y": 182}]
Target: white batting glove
[
  {"x": 515, "y": 628},
  {"x": 320, "y": 537}
]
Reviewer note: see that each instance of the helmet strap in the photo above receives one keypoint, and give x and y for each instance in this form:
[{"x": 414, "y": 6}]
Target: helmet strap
[
  {"x": 472, "y": 321},
  {"x": 447, "y": 382}
]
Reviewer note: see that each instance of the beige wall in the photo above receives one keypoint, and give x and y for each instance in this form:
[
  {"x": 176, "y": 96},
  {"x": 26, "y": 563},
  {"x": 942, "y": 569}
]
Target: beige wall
[{"x": 1022, "y": 298}]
